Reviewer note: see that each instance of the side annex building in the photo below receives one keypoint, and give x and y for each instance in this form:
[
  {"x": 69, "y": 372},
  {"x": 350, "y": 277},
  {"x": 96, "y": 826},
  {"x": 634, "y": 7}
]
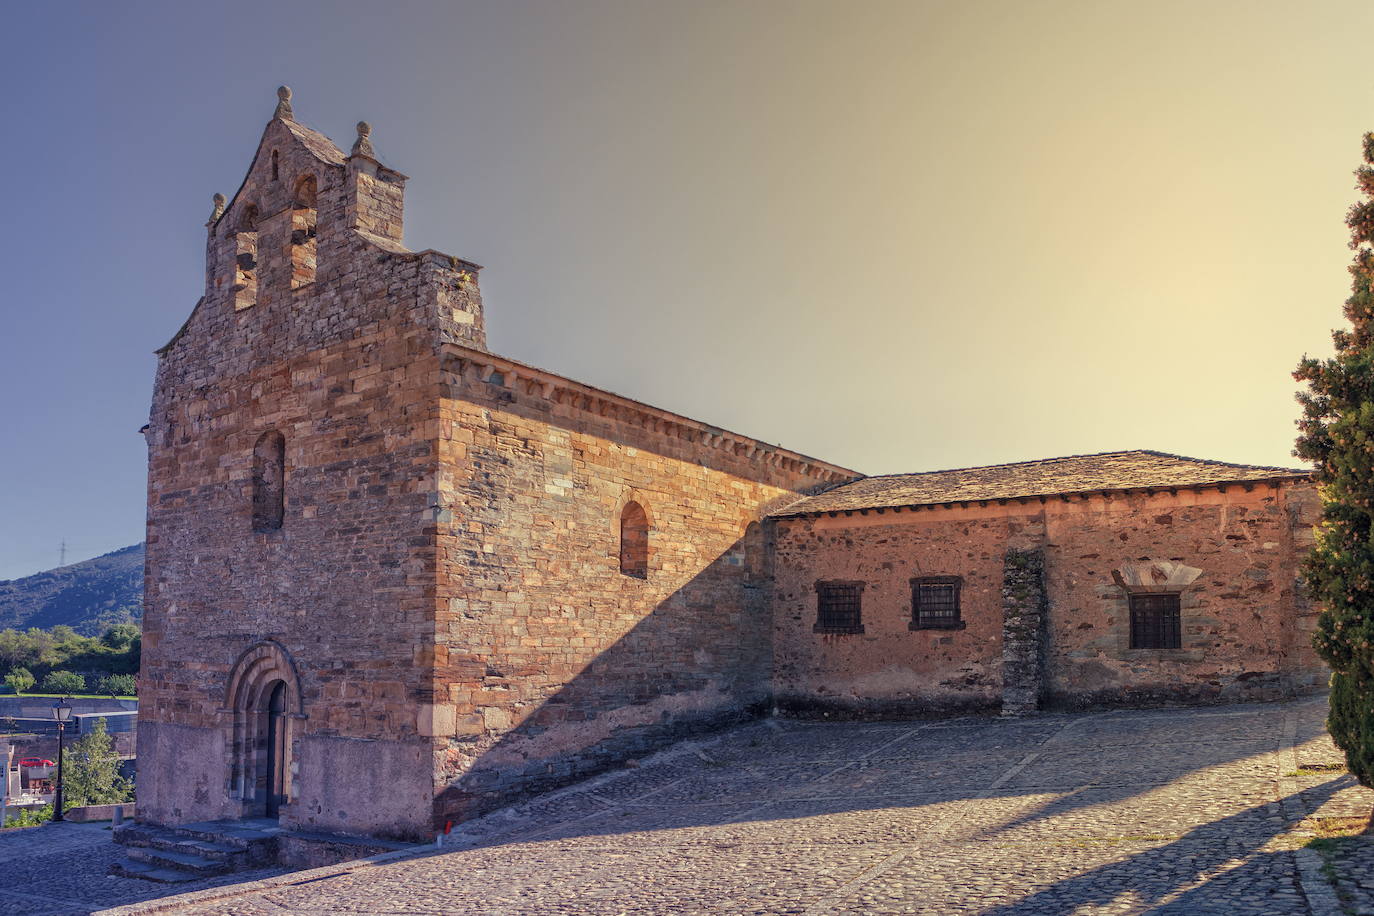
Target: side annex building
[{"x": 395, "y": 580}]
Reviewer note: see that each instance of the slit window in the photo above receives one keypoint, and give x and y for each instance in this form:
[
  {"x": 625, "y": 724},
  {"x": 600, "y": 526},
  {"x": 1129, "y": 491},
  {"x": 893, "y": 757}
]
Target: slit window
[
  {"x": 839, "y": 607},
  {"x": 1155, "y": 622},
  {"x": 935, "y": 603},
  {"x": 634, "y": 541},
  {"x": 269, "y": 481}
]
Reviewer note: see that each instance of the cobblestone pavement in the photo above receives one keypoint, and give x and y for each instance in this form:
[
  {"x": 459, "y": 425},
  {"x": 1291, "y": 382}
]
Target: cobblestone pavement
[
  {"x": 1179, "y": 811},
  {"x": 59, "y": 870}
]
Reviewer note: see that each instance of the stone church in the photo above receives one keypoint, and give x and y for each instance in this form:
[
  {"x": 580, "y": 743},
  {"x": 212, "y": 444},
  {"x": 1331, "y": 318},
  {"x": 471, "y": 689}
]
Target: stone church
[{"x": 395, "y": 580}]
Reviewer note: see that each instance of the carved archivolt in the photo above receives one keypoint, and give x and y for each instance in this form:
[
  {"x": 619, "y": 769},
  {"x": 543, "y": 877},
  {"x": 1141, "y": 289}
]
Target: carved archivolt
[
  {"x": 256, "y": 669},
  {"x": 1155, "y": 576},
  {"x": 255, "y": 674}
]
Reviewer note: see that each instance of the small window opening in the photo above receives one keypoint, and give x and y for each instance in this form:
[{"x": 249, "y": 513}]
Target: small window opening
[
  {"x": 269, "y": 481},
  {"x": 634, "y": 541},
  {"x": 838, "y": 607},
  {"x": 307, "y": 190},
  {"x": 935, "y": 603},
  {"x": 246, "y": 259},
  {"x": 1155, "y": 621},
  {"x": 302, "y": 244},
  {"x": 275, "y": 175}
]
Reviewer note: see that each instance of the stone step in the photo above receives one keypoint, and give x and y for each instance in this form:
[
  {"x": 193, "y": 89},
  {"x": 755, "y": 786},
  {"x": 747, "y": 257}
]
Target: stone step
[
  {"x": 127, "y": 868},
  {"x": 142, "y": 835},
  {"x": 194, "y": 865},
  {"x": 138, "y": 834},
  {"x": 230, "y": 833},
  {"x": 206, "y": 849}
]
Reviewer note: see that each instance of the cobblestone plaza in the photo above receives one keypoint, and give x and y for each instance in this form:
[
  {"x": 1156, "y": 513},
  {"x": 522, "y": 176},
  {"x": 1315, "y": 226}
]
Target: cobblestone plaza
[{"x": 1179, "y": 811}]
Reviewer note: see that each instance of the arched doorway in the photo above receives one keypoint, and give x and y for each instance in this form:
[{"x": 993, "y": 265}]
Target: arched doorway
[{"x": 264, "y": 696}]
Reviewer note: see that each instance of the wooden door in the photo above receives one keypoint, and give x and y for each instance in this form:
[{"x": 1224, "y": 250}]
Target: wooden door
[{"x": 276, "y": 750}]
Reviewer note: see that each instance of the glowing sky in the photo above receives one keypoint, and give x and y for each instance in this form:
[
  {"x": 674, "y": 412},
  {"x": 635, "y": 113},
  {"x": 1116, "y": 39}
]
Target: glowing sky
[{"x": 896, "y": 236}]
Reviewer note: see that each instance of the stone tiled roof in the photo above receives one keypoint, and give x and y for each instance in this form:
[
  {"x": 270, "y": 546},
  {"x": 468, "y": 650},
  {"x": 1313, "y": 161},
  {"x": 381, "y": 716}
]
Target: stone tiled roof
[
  {"x": 316, "y": 142},
  {"x": 1049, "y": 477}
]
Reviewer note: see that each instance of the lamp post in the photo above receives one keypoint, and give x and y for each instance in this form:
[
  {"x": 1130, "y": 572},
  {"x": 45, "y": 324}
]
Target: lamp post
[{"x": 61, "y": 711}]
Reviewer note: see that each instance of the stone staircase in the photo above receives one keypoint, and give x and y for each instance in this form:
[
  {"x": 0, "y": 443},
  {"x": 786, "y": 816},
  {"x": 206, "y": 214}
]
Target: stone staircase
[{"x": 171, "y": 855}]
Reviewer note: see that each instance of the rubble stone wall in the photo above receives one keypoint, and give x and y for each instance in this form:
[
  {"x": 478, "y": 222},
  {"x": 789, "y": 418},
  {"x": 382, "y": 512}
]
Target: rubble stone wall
[
  {"x": 890, "y": 668},
  {"x": 1024, "y": 612},
  {"x": 1246, "y": 625}
]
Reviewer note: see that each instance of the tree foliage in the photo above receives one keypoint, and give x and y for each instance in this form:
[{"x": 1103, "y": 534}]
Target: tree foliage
[
  {"x": 121, "y": 636},
  {"x": 62, "y": 648},
  {"x": 20, "y": 680},
  {"x": 90, "y": 772},
  {"x": 117, "y": 685},
  {"x": 63, "y": 682},
  {"x": 1336, "y": 433}
]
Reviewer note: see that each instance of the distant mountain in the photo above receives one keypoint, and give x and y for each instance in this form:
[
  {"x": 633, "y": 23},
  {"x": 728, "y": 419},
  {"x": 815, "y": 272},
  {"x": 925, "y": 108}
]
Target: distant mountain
[{"x": 88, "y": 596}]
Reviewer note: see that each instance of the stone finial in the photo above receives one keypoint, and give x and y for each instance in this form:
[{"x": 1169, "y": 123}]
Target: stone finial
[
  {"x": 363, "y": 145},
  {"x": 218, "y": 210},
  {"x": 284, "y": 104}
]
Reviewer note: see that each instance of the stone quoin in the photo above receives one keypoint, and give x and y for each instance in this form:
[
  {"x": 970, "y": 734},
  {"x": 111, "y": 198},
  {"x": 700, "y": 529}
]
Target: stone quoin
[{"x": 395, "y": 580}]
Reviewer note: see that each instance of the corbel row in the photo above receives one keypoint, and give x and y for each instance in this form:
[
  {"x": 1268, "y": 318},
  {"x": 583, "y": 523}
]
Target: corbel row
[{"x": 532, "y": 382}]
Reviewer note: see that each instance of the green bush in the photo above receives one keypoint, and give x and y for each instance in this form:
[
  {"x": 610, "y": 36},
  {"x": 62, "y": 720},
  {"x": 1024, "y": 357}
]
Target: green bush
[
  {"x": 31, "y": 817},
  {"x": 1336, "y": 433},
  {"x": 63, "y": 682},
  {"x": 19, "y": 680},
  {"x": 117, "y": 685}
]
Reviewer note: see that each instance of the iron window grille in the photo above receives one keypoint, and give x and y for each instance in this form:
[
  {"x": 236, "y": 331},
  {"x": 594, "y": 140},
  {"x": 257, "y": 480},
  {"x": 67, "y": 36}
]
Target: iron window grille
[
  {"x": 838, "y": 607},
  {"x": 1155, "y": 621},
  {"x": 935, "y": 603}
]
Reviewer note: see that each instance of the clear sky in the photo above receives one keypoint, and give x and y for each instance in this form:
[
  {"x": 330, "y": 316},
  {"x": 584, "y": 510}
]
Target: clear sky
[{"x": 896, "y": 236}]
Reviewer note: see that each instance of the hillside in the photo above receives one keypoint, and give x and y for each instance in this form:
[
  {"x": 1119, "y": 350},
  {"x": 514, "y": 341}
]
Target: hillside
[{"x": 87, "y": 596}]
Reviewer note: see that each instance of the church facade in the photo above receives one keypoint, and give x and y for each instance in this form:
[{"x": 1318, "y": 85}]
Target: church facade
[{"x": 395, "y": 580}]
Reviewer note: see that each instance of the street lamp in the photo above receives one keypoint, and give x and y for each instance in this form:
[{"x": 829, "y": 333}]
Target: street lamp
[{"x": 61, "y": 711}]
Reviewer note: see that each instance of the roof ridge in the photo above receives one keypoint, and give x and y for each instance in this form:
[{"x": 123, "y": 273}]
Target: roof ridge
[
  {"x": 1129, "y": 451},
  {"x": 1229, "y": 464}
]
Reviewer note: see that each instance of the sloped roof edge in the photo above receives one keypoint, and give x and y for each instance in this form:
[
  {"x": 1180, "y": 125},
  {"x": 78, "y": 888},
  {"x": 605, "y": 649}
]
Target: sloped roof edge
[{"x": 1092, "y": 473}]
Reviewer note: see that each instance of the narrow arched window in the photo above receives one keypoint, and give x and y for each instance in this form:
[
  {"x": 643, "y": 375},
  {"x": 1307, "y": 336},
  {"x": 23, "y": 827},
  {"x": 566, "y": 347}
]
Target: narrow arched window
[
  {"x": 634, "y": 541},
  {"x": 246, "y": 258},
  {"x": 269, "y": 481},
  {"x": 306, "y": 191},
  {"x": 302, "y": 244},
  {"x": 275, "y": 174}
]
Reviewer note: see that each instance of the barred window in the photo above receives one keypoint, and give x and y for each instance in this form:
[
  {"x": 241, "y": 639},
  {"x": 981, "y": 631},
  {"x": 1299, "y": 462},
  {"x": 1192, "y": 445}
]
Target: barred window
[
  {"x": 1155, "y": 621},
  {"x": 838, "y": 607},
  {"x": 935, "y": 603}
]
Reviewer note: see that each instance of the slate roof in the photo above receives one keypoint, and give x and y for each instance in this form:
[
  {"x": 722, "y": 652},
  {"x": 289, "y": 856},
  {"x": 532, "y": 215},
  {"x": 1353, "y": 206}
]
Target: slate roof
[
  {"x": 323, "y": 147},
  {"x": 1130, "y": 470}
]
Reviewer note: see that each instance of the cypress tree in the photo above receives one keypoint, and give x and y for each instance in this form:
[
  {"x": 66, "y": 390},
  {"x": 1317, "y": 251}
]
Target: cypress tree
[{"x": 1336, "y": 433}]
